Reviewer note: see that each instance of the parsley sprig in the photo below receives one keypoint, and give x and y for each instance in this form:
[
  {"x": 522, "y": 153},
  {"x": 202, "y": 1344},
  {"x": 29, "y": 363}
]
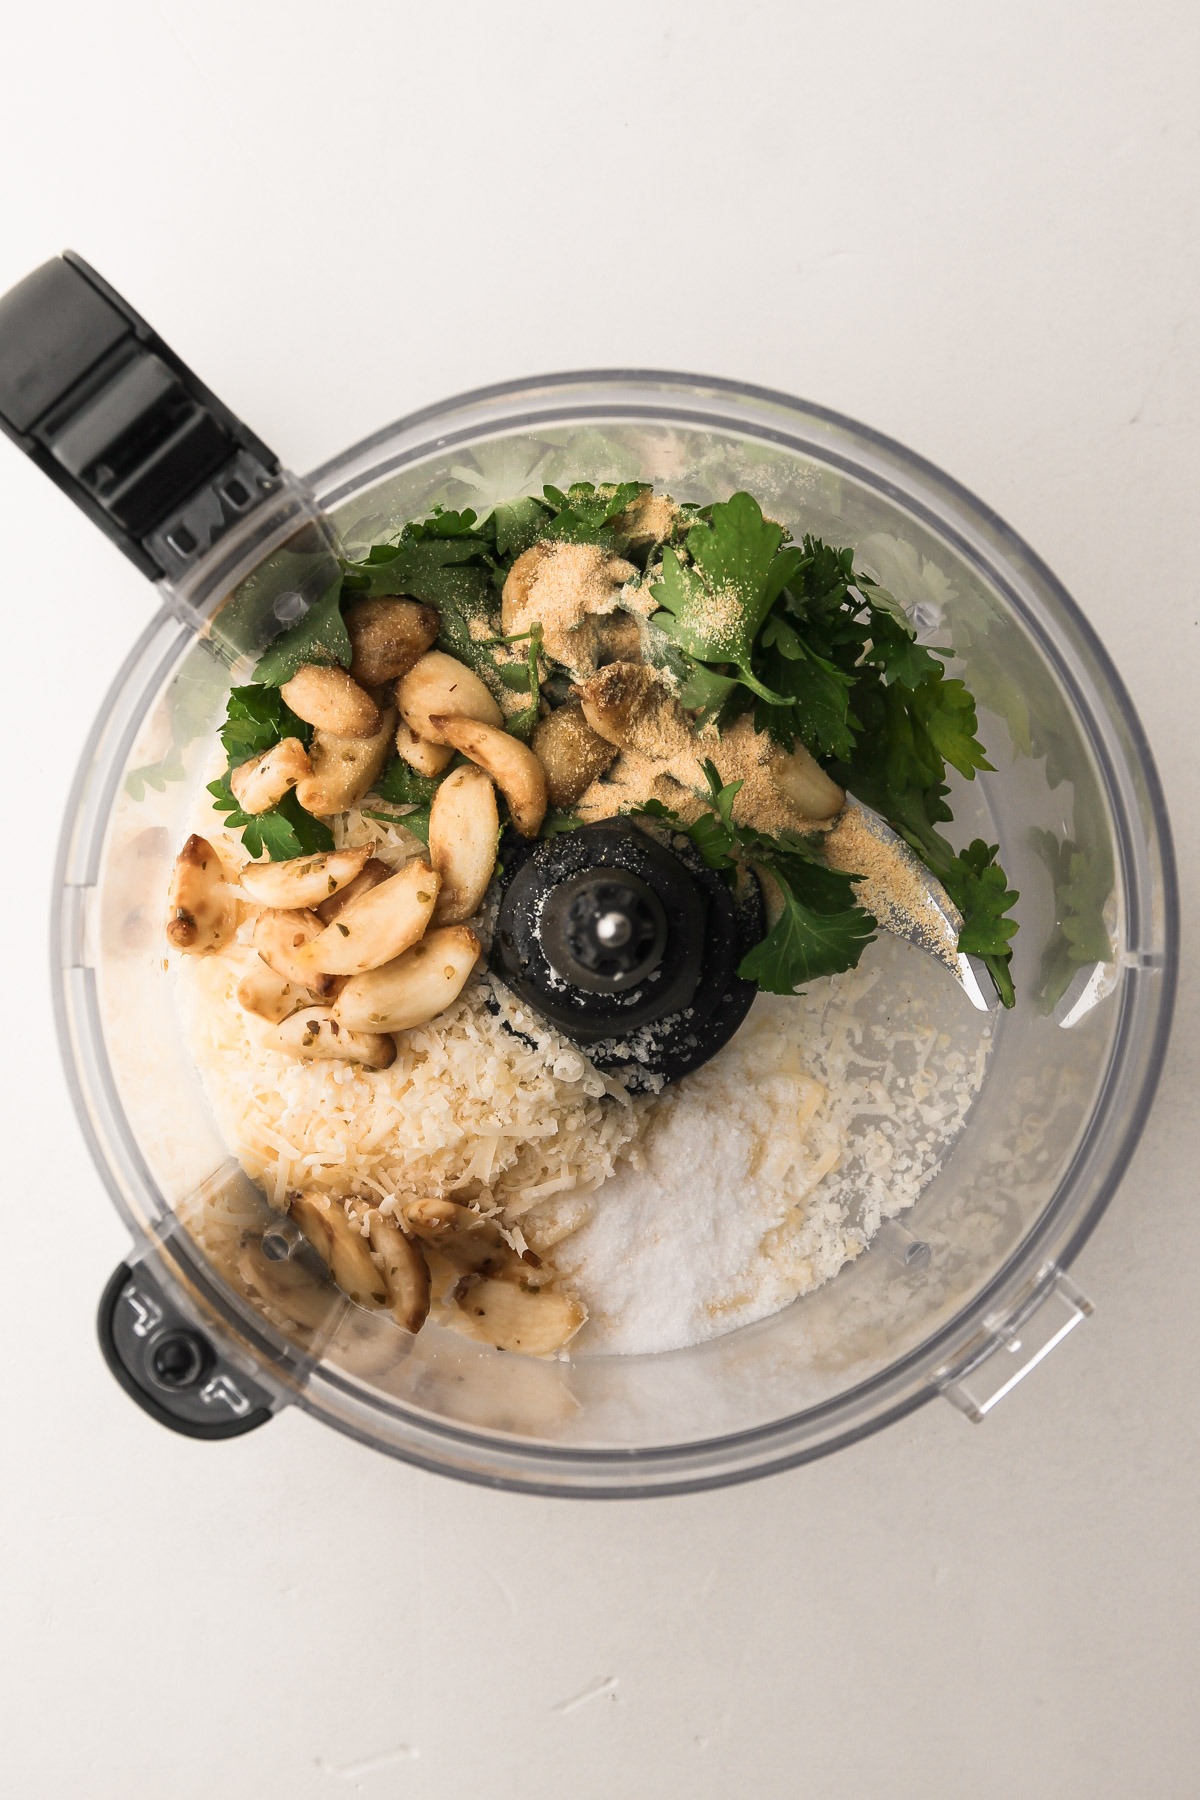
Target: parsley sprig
[
  {"x": 820, "y": 930},
  {"x": 586, "y": 514},
  {"x": 826, "y": 656},
  {"x": 257, "y": 718}
]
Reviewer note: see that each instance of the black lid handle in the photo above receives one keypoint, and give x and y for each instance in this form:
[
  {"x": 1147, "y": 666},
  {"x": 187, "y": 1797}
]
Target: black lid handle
[
  {"x": 115, "y": 419},
  {"x": 168, "y": 1365}
]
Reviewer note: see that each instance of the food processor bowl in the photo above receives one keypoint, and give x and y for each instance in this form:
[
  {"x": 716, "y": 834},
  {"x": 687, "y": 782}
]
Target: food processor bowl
[{"x": 215, "y": 1323}]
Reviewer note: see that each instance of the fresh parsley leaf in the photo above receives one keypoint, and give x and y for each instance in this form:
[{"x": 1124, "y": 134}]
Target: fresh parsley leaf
[
  {"x": 721, "y": 794},
  {"x": 257, "y": 717},
  {"x": 705, "y": 692},
  {"x": 444, "y": 522},
  {"x": 518, "y": 525},
  {"x": 402, "y": 786},
  {"x": 819, "y": 710},
  {"x": 584, "y": 514},
  {"x": 714, "y": 604},
  {"x": 286, "y": 831},
  {"x": 806, "y": 942},
  {"x": 557, "y": 822},
  {"x": 445, "y": 560},
  {"x": 711, "y": 836},
  {"x": 831, "y": 629},
  {"x": 946, "y": 709},
  {"x": 894, "y": 650},
  {"x": 319, "y": 637},
  {"x": 441, "y": 571},
  {"x": 415, "y": 820},
  {"x": 978, "y": 887}
]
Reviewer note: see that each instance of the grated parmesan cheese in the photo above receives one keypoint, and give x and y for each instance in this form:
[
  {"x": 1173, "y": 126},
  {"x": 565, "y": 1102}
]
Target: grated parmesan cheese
[
  {"x": 674, "y": 1216},
  {"x": 766, "y": 1171}
]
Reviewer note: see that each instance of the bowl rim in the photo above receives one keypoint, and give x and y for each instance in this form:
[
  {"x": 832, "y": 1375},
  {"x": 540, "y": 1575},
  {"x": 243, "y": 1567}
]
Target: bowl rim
[{"x": 496, "y": 1460}]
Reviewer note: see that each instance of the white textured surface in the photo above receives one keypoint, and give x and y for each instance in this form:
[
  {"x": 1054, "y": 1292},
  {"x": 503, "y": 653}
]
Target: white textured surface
[{"x": 973, "y": 225}]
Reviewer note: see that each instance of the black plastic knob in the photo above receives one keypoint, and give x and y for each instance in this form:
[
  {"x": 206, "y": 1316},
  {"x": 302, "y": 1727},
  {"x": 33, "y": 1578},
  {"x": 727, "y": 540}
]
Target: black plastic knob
[
  {"x": 168, "y": 1364},
  {"x": 605, "y": 931},
  {"x": 628, "y": 944},
  {"x": 178, "y": 1359}
]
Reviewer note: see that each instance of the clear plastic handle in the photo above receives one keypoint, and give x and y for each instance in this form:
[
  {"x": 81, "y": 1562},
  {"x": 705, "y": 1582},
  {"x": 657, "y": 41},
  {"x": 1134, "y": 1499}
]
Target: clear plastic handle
[{"x": 1012, "y": 1348}]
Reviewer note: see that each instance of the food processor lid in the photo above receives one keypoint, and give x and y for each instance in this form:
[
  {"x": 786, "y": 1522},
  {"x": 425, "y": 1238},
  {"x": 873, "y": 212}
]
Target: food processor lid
[{"x": 107, "y": 410}]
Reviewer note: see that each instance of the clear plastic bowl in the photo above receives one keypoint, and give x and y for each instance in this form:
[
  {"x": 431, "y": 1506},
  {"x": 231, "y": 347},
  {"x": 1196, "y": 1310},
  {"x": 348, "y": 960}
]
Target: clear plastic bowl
[{"x": 963, "y": 1296}]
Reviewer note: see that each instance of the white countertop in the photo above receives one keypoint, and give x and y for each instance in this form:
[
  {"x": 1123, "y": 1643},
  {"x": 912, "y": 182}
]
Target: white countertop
[{"x": 974, "y": 227}]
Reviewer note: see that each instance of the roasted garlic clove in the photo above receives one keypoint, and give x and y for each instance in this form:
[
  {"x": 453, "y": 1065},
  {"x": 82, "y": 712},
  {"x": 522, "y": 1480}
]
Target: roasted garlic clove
[
  {"x": 314, "y": 1035},
  {"x": 261, "y": 783},
  {"x": 404, "y": 1269},
  {"x": 279, "y": 936},
  {"x": 270, "y": 995},
  {"x": 650, "y": 519},
  {"x": 287, "y": 1287},
  {"x": 203, "y": 915},
  {"x": 472, "y": 1243},
  {"x": 344, "y": 768},
  {"x": 369, "y": 876},
  {"x": 571, "y": 753},
  {"x": 464, "y": 828},
  {"x": 566, "y": 588},
  {"x": 511, "y": 764},
  {"x": 511, "y": 1315},
  {"x": 303, "y": 880},
  {"x": 413, "y": 988},
  {"x": 617, "y": 699},
  {"x": 441, "y": 684},
  {"x": 805, "y": 785},
  {"x": 341, "y": 1246},
  {"x": 387, "y": 637},
  {"x": 332, "y": 701},
  {"x": 426, "y": 758},
  {"x": 378, "y": 926}
]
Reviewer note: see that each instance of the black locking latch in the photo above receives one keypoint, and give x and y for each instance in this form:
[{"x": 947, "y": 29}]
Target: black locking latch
[{"x": 111, "y": 414}]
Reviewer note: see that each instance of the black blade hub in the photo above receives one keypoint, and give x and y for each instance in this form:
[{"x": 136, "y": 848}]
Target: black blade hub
[{"x": 629, "y": 946}]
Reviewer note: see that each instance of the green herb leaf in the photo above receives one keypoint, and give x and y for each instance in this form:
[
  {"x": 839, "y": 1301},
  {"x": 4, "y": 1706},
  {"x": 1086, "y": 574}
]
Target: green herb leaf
[
  {"x": 319, "y": 637},
  {"x": 402, "y": 786},
  {"x": 256, "y": 718},
  {"x": 519, "y": 524},
  {"x": 715, "y": 604},
  {"x": 557, "y": 822},
  {"x": 806, "y": 942},
  {"x": 705, "y": 692},
  {"x": 415, "y": 820},
  {"x": 978, "y": 887},
  {"x": 286, "y": 831},
  {"x": 819, "y": 710},
  {"x": 584, "y": 514}
]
